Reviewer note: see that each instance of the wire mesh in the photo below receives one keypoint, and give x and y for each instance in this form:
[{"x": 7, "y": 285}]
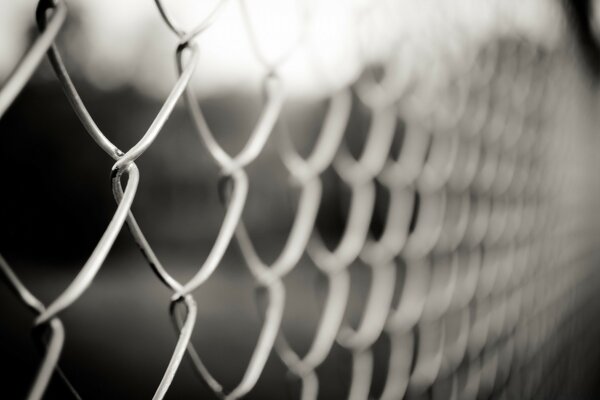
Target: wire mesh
[{"x": 483, "y": 147}]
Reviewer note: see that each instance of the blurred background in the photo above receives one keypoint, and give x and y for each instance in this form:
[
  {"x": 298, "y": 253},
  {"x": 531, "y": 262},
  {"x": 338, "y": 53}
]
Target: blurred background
[{"x": 57, "y": 196}]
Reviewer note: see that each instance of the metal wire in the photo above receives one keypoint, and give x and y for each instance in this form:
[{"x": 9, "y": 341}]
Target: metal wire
[{"x": 482, "y": 261}]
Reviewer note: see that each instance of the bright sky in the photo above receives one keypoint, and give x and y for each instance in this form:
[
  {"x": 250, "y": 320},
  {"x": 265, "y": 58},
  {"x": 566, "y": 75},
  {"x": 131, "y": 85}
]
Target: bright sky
[{"x": 127, "y": 41}]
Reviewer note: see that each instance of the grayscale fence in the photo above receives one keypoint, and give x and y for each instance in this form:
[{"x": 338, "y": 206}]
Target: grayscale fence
[{"x": 468, "y": 196}]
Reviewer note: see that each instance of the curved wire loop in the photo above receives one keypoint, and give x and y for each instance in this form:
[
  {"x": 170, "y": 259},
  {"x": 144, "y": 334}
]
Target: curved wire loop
[
  {"x": 234, "y": 194},
  {"x": 183, "y": 343},
  {"x": 55, "y": 344},
  {"x": 399, "y": 367},
  {"x": 266, "y": 339},
  {"x": 16, "y": 81},
  {"x": 429, "y": 356},
  {"x": 428, "y": 228},
  {"x": 409, "y": 165},
  {"x": 124, "y": 164},
  {"x": 89, "y": 270},
  {"x": 20, "y": 76},
  {"x": 186, "y": 325},
  {"x": 232, "y": 167},
  {"x": 305, "y": 171},
  {"x": 375, "y": 313},
  {"x": 184, "y": 35},
  {"x": 329, "y": 324}
]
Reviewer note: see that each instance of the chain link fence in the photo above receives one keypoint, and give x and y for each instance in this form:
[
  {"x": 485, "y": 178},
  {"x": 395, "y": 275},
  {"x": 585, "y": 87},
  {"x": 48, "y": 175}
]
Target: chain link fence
[{"x": 468, "y": 197}]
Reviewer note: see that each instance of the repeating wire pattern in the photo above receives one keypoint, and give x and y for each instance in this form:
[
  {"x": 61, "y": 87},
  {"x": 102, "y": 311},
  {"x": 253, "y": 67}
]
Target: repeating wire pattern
[{"x": 483, "y": 266}]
